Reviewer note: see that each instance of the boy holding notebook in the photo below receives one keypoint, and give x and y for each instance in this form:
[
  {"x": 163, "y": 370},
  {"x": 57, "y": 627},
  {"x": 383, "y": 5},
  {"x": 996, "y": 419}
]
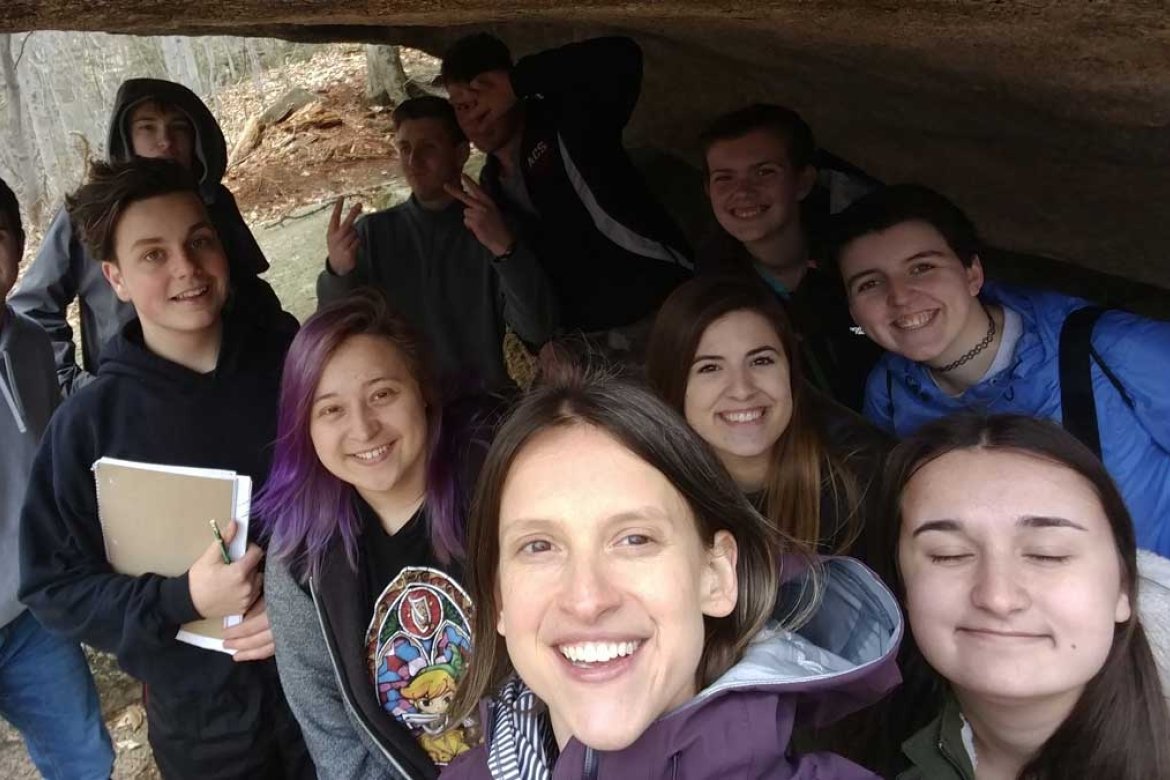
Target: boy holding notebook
[
  {"x": 65, "y": 735},
  {"x": 185, "y": 384}
]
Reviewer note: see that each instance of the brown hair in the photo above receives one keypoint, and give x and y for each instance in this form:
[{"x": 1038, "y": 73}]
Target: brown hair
[
  {"x": 429, "y": 107},
  {"x": 657, "y": 435},
  {"x": 1120, "y": 726},
  {"x": 800, "y": 460},
  {"x": 98, "y": 205},
  {"x": 781, "y": 121}
]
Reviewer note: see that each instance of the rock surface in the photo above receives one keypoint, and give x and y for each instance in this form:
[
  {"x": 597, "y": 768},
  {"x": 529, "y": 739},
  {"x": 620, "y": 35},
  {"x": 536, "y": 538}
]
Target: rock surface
[{"x": 1048, "y": 120}]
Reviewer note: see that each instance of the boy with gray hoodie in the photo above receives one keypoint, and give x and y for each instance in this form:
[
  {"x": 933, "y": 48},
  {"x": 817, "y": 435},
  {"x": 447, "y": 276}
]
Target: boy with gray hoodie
[
  {"x": 64, "y": 733},
  {"x": 157, "y": 119}
]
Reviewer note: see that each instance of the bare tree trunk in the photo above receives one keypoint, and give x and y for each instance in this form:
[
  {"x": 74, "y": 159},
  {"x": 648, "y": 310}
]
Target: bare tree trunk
[
  {"x": 386, "y": 82},
  {"x": 23, "y": 161}
]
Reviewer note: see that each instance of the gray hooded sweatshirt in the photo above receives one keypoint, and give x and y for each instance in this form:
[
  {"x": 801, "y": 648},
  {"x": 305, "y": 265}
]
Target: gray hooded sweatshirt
[
  {"x": 28, "y": 387},
  {"x": 63, "y": 269}
]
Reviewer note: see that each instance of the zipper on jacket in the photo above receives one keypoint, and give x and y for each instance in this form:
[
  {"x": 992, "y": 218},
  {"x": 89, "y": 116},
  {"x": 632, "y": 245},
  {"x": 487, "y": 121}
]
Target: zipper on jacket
[
  {"x": 590, "y": 769},
  {"x": 349, "y": 702},
  {"x": 950, "y": 758}
]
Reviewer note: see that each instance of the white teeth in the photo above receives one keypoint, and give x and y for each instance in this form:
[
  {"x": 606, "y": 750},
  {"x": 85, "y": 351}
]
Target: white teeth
[
  {"x": 597, "y": 652},
  {"x": 748, "y": 213},
  {"x": 373, "y": 454},
  {"x": 742, "y": 417},
  {"x": 185, "y": 296},
  {"x": 914, "y": 321}
]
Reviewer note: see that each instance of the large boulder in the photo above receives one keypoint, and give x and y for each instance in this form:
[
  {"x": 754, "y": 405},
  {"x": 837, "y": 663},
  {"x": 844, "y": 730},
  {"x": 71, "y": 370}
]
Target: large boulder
[{"x": 1048, "y": 120}]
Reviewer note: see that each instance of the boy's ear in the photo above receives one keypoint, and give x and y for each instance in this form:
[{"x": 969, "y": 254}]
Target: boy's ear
[
  {"x": 464, "y": 152},
  {"x": 113, "y": 275}
]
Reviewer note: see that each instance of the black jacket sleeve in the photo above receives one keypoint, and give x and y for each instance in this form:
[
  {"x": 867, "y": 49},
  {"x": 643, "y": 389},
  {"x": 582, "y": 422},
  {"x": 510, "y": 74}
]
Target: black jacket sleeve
[
  {"x": 65, "y": 579},
  {"x": 48, "y": 287},
  {"x": 598, "y": 80}
]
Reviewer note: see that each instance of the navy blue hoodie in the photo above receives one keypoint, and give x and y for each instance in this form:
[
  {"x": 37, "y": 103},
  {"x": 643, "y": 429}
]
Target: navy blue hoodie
[{"x": 144, "y": 407}]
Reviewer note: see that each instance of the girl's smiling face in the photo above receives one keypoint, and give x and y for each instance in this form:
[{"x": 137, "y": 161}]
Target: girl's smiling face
[
  {"x": 912, "y": 295},
  {"x": 739, "y": 393}
]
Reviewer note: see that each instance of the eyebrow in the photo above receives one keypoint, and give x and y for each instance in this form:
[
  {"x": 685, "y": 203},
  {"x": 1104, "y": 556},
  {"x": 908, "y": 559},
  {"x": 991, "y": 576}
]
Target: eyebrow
[
  {"x": 1044, "y": 521},
  {"x": 937, "y": 525},
  {"x": 916, "y": 256},
  {"x": 750, "y": 353},
  {"x": 1027, "y": 521},
  {"x": 768, "y": 161},
  {"x": 160, "y": 240},
  {"x": 528, "y": 524},
  {"x": 367, "y": 383}
]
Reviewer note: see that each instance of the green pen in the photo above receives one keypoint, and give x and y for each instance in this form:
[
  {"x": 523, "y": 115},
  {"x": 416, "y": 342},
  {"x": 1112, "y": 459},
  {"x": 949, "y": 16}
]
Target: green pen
[{"x": 223, "y": 550}]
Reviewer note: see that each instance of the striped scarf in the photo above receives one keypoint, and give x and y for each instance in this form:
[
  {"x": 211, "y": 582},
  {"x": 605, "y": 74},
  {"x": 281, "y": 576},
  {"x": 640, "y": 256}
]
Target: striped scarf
[{"x": 523, "y": 746}]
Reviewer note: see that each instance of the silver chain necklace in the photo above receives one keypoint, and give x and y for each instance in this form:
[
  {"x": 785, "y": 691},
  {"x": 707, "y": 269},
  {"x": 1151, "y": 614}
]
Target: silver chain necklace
[{"x": 983, "y": 344}]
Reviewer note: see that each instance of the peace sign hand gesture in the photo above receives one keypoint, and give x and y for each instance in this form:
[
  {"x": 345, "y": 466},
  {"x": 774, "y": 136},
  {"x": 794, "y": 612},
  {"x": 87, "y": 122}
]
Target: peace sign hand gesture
[
  {"x": 482, "y": 217},
  {"x": 342, "y": 238}
]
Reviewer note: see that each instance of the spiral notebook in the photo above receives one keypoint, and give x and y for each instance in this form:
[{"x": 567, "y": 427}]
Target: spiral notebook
[{"x": 155, "y": 520}]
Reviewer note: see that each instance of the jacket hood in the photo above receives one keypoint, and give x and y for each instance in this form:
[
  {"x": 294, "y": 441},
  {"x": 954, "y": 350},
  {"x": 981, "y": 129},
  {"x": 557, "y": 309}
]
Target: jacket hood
[
  {"x": 210, "y": 145},
  {"x": 847, "y": 647},
  {"x": 842, "y": 659}
]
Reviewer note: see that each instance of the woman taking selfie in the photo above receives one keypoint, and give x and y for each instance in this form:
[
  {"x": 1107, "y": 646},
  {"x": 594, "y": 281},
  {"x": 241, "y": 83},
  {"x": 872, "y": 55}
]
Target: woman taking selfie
[
  {"x": 625, "y": 591},
  {"x": 1016, "y": 560},
  {"x": 719, "y": 354},
  {"x": 365, "y": 507}
]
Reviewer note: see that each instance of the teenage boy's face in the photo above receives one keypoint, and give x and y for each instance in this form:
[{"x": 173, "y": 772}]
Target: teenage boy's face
[
  {"x": 11, "y": 248},
  {"x": 170, "y": 264},
  {"x": 754, "y": 189},
  {"x": 162, "y": 133},
  {"x": 430, "y": 157},
  {"x": 486, "y": 109}
]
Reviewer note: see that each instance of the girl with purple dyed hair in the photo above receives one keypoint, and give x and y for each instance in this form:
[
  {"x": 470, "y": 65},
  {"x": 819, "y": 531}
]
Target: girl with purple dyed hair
[{"x": 365, "y": 509}]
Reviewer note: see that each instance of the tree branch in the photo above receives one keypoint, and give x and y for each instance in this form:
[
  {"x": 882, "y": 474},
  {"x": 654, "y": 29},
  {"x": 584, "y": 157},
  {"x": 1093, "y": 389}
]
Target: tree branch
[{"x": 23, "y": 43}]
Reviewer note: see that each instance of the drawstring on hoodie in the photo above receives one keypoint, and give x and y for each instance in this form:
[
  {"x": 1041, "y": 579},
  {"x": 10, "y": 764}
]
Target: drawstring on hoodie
[{"x": 12, "y": 393}]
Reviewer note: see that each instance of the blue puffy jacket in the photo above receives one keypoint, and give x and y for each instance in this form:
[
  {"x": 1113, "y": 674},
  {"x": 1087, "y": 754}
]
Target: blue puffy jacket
[{"x": 1135, "y": 443}]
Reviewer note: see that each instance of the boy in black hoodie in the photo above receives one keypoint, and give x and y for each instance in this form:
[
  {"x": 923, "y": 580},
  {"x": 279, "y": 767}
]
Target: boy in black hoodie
[
  {"x": 184, "y": 384},
  {"x": 151, "y": 119}
]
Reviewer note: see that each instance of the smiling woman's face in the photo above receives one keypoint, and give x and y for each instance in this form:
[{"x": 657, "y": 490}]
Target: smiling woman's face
[
  {"x": 603, "y": 585},
  {"x": 739, "y": 391},
  {"x": 1013, "y": 580}
]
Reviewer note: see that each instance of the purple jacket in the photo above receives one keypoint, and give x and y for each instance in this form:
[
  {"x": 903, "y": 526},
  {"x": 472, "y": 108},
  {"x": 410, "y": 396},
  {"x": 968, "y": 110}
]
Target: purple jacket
[{"x": 840, "y": 661}]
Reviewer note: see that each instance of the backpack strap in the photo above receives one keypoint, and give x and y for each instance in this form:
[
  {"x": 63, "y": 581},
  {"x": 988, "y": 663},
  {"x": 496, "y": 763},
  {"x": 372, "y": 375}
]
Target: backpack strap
[{"x": 1078, "y": 408}]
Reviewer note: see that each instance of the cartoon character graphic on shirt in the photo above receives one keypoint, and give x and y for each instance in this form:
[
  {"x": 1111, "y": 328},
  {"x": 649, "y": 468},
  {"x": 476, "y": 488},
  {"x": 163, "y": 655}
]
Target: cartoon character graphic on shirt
[{"x": 418, "y": 644}]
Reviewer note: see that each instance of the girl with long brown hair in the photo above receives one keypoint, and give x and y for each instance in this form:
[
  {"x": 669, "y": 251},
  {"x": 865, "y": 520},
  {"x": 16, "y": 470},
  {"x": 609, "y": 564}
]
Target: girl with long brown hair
[
  {"x": 1015, "y": 559},
  {"x": 721, "y": 354}
]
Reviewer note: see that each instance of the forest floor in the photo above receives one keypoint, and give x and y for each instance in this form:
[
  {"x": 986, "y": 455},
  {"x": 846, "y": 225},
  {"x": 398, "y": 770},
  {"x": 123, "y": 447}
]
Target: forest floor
[{"x": 285, "y": 184}]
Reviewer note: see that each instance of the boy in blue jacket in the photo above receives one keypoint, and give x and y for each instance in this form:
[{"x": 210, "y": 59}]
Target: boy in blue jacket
[
  {"x": 64, "y": 734},
  {"x": 184, "y": 384}
]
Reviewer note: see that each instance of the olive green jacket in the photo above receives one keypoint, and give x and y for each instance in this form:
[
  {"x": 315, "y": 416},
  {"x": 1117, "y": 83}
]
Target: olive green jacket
[{"x": 936, "y": 752}]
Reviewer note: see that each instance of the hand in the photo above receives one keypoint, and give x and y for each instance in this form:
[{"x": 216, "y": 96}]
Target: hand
[
  {"x": 482, "y": 217},
  {"x": 342, "y": 239},
  {"x": 252, "y": 639},
  {"x": 219, "y": 589}
]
